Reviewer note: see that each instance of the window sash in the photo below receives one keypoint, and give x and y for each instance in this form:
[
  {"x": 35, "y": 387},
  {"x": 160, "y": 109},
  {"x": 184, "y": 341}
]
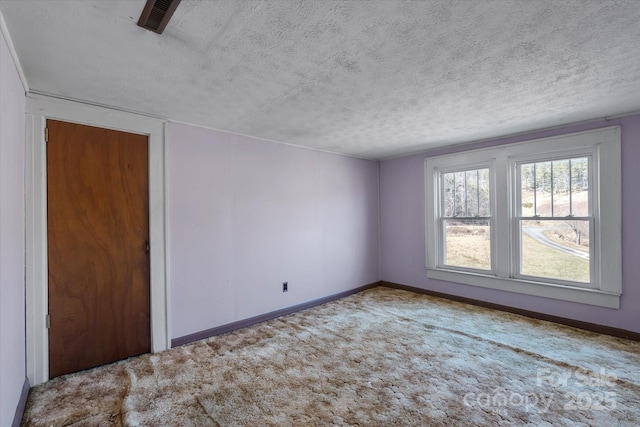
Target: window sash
[
  {"x": 517, "y": 164},
  {"x": 445, "y": 249},
  {"x": 518, "y": 244},
  {"x": 442, "y": 219}
]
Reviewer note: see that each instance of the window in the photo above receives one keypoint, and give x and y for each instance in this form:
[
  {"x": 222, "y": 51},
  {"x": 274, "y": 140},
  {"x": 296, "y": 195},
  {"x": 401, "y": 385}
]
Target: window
[
  {"x": 554, "y": 220},
  {"x": 530, "y": 217},
  {"x": 466, "y": 219}
]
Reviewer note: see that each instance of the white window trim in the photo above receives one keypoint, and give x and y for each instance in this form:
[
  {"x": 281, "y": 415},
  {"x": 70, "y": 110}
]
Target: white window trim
[
  {"x": 606, "y": 166},
  {"x": 39, "y": 108}
]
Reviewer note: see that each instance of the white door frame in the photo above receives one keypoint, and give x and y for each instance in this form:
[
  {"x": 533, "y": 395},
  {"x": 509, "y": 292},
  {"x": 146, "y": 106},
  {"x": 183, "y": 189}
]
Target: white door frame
[{"x": 39, "y": 108}]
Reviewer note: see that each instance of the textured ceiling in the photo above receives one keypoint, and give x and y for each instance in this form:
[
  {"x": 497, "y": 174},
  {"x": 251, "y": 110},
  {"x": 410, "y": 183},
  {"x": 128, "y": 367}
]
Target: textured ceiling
[{"x": 371, "y": 79}]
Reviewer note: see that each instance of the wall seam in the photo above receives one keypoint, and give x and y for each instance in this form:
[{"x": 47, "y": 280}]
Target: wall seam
[{"x": 379, "y": 224}]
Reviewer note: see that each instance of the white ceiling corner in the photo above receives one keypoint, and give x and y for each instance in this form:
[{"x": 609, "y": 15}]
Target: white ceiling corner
[{"x": 369, "y": 79}]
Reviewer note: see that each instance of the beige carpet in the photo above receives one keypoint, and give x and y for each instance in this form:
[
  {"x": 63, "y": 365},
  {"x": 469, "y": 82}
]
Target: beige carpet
[{"x": 379, "y": 358}]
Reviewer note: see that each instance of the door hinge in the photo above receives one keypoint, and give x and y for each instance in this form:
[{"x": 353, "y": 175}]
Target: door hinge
[
  {"x": 46, "y": 134},
  {"x": 48, "y": 321}
]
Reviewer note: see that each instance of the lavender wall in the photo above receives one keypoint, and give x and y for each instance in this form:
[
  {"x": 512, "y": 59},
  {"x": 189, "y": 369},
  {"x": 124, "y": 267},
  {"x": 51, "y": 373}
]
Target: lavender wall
[
  {"x": 246, "y": 215},
  {"x": 402, "y": 234},
  {"x": 12, "y": 247}
]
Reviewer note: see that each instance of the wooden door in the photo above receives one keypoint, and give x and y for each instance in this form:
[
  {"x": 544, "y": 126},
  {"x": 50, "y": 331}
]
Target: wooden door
[{"x": 98, "y": 234}]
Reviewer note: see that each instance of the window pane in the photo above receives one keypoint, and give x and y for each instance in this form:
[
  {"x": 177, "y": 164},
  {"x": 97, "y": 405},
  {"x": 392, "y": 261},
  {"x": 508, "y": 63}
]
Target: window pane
[
  {"x": 580, "y": 186},
  {"x": 560, "y": 180},
  {"x": 556, "y": 249},
  {"x": 466, "y": 193},
  {"x": 467, "y": 244},
  {"x": 484, "y": 199},
  {"x": 472, "y": 193},
  {"x": 527, "y": 190},
  {"x": 460, "y": 198},
  {"x": 448, "y": 188},
  {"x": 543, "y": 188}
]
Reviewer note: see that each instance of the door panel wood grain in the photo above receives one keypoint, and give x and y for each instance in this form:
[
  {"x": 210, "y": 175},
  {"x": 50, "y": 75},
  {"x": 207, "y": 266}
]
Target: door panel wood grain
[{"x": 98, "y": 232}]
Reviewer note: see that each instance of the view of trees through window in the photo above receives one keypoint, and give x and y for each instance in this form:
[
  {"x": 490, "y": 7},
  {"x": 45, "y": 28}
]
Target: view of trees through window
[
  {"x": 466, "y": 211},
  {"x": 538, "y": 217},
  {"x": 555, "y": 219}
]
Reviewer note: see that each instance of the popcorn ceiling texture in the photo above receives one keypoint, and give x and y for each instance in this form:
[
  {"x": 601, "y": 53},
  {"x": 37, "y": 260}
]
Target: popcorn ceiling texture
[
  {"x": 382, "y": 357},
  {"x": 371, "y": 79}
]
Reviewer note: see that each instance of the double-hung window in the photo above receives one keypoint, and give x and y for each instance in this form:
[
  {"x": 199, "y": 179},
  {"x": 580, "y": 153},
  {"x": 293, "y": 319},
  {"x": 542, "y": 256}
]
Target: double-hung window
[
  {"x": 540, "y": 217},
  {"x": 465, "y": 218},
  {"x": 554, "y": 218}
]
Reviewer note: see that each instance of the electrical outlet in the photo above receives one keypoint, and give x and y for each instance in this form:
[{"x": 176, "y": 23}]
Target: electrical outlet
[{"x": 285, "y": 286}]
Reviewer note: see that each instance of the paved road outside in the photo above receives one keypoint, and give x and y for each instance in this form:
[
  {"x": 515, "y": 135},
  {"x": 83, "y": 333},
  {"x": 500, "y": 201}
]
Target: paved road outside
[{"x": 538, "y": 234}]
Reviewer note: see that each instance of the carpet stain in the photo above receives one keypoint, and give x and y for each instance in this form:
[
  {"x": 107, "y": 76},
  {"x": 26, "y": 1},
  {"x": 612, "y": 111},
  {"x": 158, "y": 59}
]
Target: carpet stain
[{"x": 383, "y": 357}]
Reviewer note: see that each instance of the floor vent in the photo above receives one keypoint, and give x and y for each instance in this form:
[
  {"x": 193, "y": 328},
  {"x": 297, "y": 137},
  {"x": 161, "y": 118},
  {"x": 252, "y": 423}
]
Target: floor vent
[{"x": 156, "y": 14}]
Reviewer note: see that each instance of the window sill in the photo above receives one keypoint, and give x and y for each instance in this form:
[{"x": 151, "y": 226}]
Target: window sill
[{"x": 546, "y": 290}]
